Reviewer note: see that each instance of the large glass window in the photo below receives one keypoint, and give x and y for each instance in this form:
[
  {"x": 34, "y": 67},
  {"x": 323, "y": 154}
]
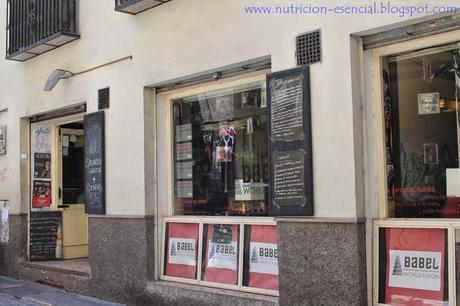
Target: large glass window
[
  {"x": 422, "y": 132},
  {"x": 220, "y": 152}
]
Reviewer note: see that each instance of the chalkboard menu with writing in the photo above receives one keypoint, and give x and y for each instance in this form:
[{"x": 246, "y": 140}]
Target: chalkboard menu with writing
[
  {"x": 291, "y": 169},
  {"x": 95, "y": 163},
  {"x": 44, "y": 235}
]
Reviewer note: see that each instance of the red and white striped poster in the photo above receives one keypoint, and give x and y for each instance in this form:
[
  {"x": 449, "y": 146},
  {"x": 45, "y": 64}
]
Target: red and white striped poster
[
  {"x": 415, "y": 266},
  {"x": 263, "y": 257},
  {"x": 182, "y": 250},
  {"x": 221, "y": 262}
]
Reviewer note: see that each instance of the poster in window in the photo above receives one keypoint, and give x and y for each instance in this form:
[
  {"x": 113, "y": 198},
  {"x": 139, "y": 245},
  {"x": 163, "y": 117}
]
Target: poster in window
[
  {"x": 428, "y": 103},
  {"x": 221, "y": 261},
  {"x": 2, "y": 140},
  {"x": 263, "y": 257},
  {"x": 249, "y": 99},
  {"x": 222, "y": 108},
  {"x": 42, "y": 165},
  {"x": 430, "y": 153},
  {"x": 415, "y": 266},
  {"x": 41, "y": 194},
  {"x": 290, "y": 159},
  {"x": 41, "y": 139},
  {"x": 184, "y": 132},
  {"x": 182, "y": 250},
  {"x": 184, "y": 151}
]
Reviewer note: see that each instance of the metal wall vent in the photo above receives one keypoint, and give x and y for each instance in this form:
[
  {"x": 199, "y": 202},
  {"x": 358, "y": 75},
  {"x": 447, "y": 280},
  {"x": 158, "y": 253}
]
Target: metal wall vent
[
  {"x": 103, "y": 98},
  {"x": 308, "y": 48}
]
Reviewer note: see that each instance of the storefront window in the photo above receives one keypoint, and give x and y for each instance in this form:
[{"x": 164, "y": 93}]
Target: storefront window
[
  {"x": 220, "y": 156},
  {"x": 422, "y": 133}
]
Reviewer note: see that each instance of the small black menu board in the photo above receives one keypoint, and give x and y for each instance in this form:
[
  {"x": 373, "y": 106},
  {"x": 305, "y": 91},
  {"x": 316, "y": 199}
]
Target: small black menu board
[
  {"x": 44, "y": 227},
  {"x": 95, "y": 163},
  {"x": 291, "y": 167}
]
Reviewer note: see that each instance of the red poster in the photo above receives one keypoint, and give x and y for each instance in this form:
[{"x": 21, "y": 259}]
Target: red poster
[
  {"x": 415, "y": 266},
  {"x": 221, "y": 262},
  {"x": 451, "y": 208},
  {"x": 182, "y": 250},
  {"x": 41, "y": 194},
  {"x": 263, "y": 257}
]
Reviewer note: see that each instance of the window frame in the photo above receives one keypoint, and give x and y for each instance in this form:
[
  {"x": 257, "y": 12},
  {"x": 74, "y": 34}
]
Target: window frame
[
  {"x": 201, "y": 221},
  {"x": 166, "y": 178},
  {"x": 383, "y": 220}
]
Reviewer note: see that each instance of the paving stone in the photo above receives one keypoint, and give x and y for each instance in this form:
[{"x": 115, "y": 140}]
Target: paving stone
[
  {"x": 25, "y": 289},
  {"x": 8, "y": 282},
  {"x": 8, "y": 300},
  {"x": 63, "y": 298}
]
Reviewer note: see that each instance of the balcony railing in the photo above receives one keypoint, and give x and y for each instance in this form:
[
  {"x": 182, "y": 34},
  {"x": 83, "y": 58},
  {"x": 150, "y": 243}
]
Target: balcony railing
[
  {"x": 38, "y": 26},
  {"x": 136, "y": 6}
]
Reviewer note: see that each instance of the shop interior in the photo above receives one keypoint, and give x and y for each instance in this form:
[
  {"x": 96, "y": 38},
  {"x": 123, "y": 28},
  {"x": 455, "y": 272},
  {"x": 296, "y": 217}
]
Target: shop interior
[
  {"x": 221, "y": 154},
  {"x": 422, "y": 132}
]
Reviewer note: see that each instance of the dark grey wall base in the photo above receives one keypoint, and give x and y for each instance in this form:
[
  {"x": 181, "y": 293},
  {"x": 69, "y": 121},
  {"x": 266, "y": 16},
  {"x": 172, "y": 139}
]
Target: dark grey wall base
[
  {"x": 15, "y": 252},
  {"x": 121, "y": 258},
  {"x": 322, "y": 264},
  {"x": 175, "y": 294},
  {"x": 319, "y": 264}
]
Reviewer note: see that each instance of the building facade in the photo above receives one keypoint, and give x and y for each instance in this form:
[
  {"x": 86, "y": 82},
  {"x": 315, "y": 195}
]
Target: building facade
[{"x": 228, "y": 152}]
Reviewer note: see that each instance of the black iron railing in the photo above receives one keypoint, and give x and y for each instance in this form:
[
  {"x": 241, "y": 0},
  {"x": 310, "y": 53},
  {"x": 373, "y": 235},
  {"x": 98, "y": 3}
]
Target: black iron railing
[
  {"x": 136, "y": 6},
  {"x": 32, "y": 21}
]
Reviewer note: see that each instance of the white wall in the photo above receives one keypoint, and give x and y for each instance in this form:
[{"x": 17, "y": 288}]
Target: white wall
[{"x": 177, "y": 39}]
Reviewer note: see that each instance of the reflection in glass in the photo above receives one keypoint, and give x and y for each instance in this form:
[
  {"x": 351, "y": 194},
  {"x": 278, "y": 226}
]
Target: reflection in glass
[
  {"x": 221, "y": 153},
  {"x": 422, "y": 133}
]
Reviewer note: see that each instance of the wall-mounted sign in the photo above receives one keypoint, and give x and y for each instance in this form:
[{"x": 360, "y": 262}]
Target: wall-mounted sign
[
  {"x": 291, "y": 167},
  {"x": 2, "y": 140},
  {"x": 95, "y": 163},
  {"x": 41, "y": 194},
  {"x": 4, "y": 224}
]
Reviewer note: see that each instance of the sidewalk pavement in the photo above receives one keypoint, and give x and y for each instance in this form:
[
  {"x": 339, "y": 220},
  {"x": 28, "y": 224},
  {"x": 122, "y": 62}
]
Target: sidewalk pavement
[{"x": 21, "y": 293}]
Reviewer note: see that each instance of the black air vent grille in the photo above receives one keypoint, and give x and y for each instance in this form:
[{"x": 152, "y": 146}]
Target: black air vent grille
[
  {"x": 104, "y": 98},
  {"x": 308, "y": 48}
]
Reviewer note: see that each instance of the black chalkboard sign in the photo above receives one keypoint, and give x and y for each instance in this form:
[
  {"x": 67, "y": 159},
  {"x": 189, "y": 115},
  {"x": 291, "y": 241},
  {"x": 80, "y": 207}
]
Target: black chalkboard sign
[
  {"x": 290, "y": 149},
  {"x": 95, "y": 163},
  {"x": 44, "y": 228}
]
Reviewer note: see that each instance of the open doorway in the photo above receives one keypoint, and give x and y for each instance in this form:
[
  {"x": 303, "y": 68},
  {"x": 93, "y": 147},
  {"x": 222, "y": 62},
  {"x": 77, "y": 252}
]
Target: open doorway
[
  {"x": 72, "y": 199},
  {"x": 58, "y": 224}
]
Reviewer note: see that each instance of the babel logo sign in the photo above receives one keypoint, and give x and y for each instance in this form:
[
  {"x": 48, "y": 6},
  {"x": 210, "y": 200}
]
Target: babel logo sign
[{"x": 415, "y": 270}]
